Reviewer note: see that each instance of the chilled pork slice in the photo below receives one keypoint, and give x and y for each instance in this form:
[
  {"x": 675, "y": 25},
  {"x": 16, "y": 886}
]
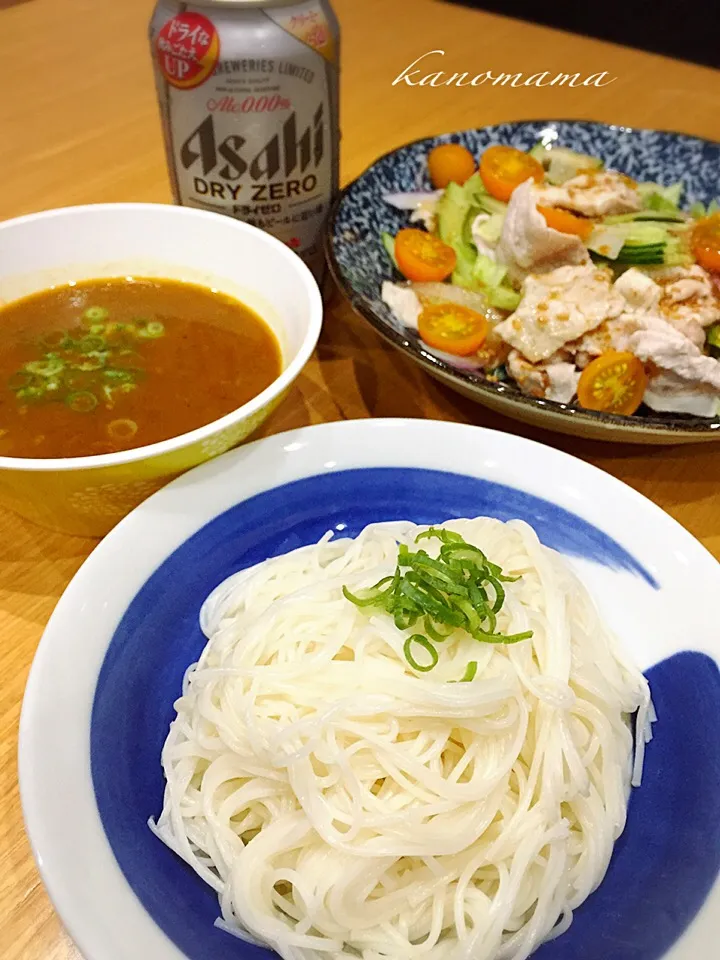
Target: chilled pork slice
[
  {"x": 639, "y": 291},
  {"x": 559, "y": 307},
  {"x": 528, "y": 245},
  {"x": 684, "y": 296},
  {"x": 404, "y": 303},
  {"x": 668, "y": 393},
  {"x": 665, "y": 346},
  {"x": 610, "y": 335},
  {"x": 595, "y": 194},
  {"x": 555, "y": 380},
  {"x": 688, "y": 296}
]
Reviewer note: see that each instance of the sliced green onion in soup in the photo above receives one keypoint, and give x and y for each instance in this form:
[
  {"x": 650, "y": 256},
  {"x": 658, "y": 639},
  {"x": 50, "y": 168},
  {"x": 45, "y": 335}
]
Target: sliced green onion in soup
[
  {"x": 50, "y": 367},
  {"x": 30, "y": 393},
  {"x": 82, "y": 402},
  {"x": 93, "y": 361},
  {"x": 91, "y": 343},
  {"x": 96, "y": 314},
  {"x": 152, "y": 330},
  {"x": 122, "y": 429}
]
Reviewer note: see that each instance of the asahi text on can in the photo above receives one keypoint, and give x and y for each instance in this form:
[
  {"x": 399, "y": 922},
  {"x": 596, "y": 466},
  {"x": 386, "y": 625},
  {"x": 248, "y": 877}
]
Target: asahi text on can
[{"x": 248, "y": 93}]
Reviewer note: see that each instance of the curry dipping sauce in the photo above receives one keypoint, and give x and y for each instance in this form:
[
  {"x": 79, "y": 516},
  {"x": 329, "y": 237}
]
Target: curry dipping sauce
[{"x": 102, "y": 366}]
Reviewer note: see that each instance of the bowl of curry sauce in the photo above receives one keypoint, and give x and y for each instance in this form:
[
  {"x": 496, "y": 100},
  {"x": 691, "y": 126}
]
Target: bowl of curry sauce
[{"x": 137, "y": 341}]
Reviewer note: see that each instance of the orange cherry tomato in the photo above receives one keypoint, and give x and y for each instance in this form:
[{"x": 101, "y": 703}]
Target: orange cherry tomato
[
  {"x": 614, "y": 383},
  {"x": 706, "y": 242},
  {"x": 450, "y": 162},
  {"x": 452, "y": 328},
  {"x": 504, "y": 168},
  {"x": 422, "y": 257},
  {"x": 566, "y": 222}
]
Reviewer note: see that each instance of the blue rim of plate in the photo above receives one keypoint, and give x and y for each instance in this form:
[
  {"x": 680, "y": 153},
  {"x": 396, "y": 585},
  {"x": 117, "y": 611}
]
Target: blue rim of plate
[{"x": 437, "y": 365}]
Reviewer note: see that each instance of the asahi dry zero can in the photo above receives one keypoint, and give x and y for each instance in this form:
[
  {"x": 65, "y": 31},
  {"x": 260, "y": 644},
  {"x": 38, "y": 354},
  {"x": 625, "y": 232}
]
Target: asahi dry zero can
[{"x": 248, "y": 93}]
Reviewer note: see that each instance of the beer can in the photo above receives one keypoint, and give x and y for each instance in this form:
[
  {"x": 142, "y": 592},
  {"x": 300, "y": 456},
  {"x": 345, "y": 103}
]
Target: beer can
[{"x": 248, "y": 93}]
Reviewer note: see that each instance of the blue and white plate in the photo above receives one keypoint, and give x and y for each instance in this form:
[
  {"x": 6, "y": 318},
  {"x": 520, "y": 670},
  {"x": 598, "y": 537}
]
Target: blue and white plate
[
  {"x": 359, "y": 262},
  {"x": 110, "y": 665}
]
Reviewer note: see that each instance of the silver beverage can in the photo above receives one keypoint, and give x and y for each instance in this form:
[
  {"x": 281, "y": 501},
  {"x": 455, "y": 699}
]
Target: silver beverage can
[{"x": 248, "y": 93}]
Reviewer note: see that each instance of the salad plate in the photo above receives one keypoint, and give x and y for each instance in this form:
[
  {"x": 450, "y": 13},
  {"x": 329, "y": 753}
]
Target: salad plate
[
  {"x": 672, "y": 180},
  {"x": 110, "y": 666}
]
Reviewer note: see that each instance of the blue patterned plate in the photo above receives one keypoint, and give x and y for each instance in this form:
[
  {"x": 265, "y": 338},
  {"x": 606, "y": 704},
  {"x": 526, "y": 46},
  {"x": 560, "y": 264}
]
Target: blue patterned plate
[
  {"x": 359, "y": 262},
  {"x": 110, "y": 666}
]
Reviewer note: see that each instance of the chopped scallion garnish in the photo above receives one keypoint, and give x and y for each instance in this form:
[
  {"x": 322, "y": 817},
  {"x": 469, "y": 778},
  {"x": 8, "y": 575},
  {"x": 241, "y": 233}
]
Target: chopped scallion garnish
[
  {"x": 122, "y": 429},
  {"x": 458, "y": 590},
  {"x": 96, "y": 314},
  {"x": 99, "y": 361},
  {"x": 45, "y": 368},
  {"x": 81, "y": 402},
  {"x": 423, "y": 642},
  {"x": 152, "y": 330}
]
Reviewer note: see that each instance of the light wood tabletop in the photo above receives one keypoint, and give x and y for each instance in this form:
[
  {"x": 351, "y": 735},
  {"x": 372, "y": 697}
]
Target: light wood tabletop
[{"x": 79, "y": 124}]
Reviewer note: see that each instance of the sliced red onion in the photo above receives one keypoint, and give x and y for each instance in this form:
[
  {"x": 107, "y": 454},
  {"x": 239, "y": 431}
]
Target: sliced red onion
[{"x": 412, "y": 201}]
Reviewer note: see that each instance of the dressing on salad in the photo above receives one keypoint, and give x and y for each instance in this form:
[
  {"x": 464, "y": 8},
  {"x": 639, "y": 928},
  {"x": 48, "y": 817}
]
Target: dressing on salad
[{"x": 576, "y": 282}]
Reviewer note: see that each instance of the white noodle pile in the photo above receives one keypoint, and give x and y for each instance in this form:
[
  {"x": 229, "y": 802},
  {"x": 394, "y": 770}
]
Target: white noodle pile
[{"x": 343, "y": 805}]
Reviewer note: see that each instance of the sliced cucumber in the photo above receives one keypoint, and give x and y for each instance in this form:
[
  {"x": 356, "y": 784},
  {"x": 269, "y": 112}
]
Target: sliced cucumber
[
  {"x": 488, "y": 204},
  {"x": 540, "y": 152},
  {"x": 452, "y": 210},
  {"x": 713, "y": 339},
  {"x": 388, "y": 241},
  {"x": 659, "y": 216},
  {"x": 479, "y": 197}
]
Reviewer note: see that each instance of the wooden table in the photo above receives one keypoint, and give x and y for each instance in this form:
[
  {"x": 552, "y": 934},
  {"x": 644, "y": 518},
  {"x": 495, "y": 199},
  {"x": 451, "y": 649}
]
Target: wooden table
[{"x": 79, "y": 124}]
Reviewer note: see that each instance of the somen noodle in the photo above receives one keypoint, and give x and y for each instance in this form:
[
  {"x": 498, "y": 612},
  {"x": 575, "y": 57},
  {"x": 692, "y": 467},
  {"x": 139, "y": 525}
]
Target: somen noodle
[{"x": 344, "y": 804}]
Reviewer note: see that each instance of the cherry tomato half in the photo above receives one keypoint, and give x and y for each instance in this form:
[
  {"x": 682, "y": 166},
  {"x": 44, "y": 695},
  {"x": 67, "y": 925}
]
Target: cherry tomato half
[
  {"x": 423, "y": 257},
  {"x": 504, "y": 168},
  {"x": 450, "y": 163},
  {"x": 452, "y": 328},
  {"x": 566, "y": 222},
  {"x": 615, "y": 383},
  {"x": 706, "y": 242}
]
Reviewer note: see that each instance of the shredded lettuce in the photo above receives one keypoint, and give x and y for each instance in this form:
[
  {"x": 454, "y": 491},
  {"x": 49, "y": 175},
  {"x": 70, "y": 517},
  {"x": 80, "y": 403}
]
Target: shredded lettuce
[
  {"x": 491, "y": 229},
  {"x": 487, "y": 272},
  {"x": 699, "y": 210},
  {"x": 463, "y": 272},
  {"x": 456, "y": 211},
  {"x": 491, "y": 277},
  {"x": 657, "y": 197}
]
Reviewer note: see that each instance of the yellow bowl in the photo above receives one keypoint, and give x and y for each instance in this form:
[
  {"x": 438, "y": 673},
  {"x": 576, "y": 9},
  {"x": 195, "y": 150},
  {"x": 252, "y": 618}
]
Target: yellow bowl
[{"x": 89, "y": 495}]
